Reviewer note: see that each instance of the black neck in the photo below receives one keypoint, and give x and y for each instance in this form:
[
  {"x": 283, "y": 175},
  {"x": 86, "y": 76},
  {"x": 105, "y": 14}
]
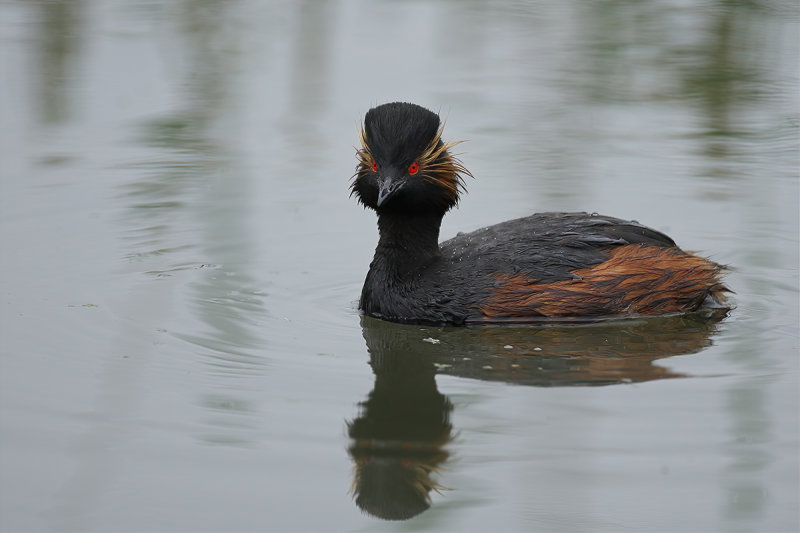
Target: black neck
[{"x": 407, "y": 240}]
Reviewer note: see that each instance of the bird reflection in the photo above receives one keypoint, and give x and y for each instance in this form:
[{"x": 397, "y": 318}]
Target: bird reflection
[
  {"x": 399, "y": 436},
  {"x": 398, "y": 440}
]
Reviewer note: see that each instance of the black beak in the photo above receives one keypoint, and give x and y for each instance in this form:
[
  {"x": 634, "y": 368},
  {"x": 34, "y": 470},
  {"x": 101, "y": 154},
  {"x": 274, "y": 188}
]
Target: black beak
[{"x": 387, "y": 187}]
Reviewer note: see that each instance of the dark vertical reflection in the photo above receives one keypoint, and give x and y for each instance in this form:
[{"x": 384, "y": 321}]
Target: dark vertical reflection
[
  {"x": 226, "y": 298},
  {"x": 721, "y": 79},
  {"x": 399, "y": 436},
  {"x": 717, "y": 60},
  {"x": 309, "y": 81},
  {"x": 746, "y": 494},
  {"x": 58, "y": 31},
  {"x": 60, "y": 37},
  {"x": 185, "y": 218},
  {"x": 718, "y": 73},
  {"x": 398, "y": 439},
  {"x": 311, "y": 48},
  {"x": 181, "y": 219}
]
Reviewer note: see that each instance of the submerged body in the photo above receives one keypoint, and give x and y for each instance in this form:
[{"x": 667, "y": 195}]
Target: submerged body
[{"x": 551, "y": 266}]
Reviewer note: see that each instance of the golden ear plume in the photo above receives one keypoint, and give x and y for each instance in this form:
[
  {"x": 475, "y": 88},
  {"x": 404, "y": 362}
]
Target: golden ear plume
[
  {"x": 363, "y": 156},
  {"x": 441, "y": 167},
  {"x": 437, "y": 164}
]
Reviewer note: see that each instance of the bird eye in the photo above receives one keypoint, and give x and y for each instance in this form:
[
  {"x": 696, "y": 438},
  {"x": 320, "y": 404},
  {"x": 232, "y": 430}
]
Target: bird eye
[
  {"x": 374, "y": 166},
  {"x": 414, "y": 168}
]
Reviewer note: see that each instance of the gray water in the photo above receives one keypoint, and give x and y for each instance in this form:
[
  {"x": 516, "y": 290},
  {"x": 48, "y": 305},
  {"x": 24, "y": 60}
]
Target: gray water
[{"x": 180, "y": 344}]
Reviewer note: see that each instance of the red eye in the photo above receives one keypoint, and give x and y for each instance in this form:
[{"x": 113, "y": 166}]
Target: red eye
[
  {"x": 374, "y": 166},
  {"x": 414, "y": 168}
]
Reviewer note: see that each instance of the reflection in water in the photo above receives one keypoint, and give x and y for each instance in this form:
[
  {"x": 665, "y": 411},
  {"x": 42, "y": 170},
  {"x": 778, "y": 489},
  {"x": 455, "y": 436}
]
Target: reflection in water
[
  {"x": 559, "y": 87},
  {"x": 61, "y": 23},
  {"x": 399, "y": 436},
  {"x": 186, "y": 221},
  {"x": 725, "y": 82}
]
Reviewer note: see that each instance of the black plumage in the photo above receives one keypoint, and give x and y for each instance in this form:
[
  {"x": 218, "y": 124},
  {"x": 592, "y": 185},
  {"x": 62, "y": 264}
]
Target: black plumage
[{"x": 547, "y": 265}]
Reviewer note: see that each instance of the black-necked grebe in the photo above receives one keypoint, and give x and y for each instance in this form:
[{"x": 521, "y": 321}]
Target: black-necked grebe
[{"x": 548, "y": 266}]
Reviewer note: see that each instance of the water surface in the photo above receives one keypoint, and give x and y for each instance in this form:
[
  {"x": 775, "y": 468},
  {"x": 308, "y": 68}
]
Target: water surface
[{"x": 181, "y": 349}]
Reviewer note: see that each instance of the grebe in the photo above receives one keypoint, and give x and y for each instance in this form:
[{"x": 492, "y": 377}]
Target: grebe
[{"x": 547, "y": 266}]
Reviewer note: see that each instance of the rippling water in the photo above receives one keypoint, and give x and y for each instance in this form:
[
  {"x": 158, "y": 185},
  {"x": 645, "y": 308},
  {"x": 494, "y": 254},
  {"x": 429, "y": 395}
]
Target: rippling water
[{"x": 180, "y": 346}]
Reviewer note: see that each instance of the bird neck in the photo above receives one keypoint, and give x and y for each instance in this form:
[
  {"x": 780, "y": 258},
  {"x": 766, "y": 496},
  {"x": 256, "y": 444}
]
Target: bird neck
[{"x": 408, "y": 240}]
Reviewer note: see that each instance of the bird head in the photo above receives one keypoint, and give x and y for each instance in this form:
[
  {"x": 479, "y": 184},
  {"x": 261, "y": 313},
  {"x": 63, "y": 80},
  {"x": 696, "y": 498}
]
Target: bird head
[{"x": 403, "y": 164}]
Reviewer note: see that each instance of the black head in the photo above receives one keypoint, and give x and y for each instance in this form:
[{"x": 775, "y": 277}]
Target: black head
[{"x": 403, "y": 165}]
